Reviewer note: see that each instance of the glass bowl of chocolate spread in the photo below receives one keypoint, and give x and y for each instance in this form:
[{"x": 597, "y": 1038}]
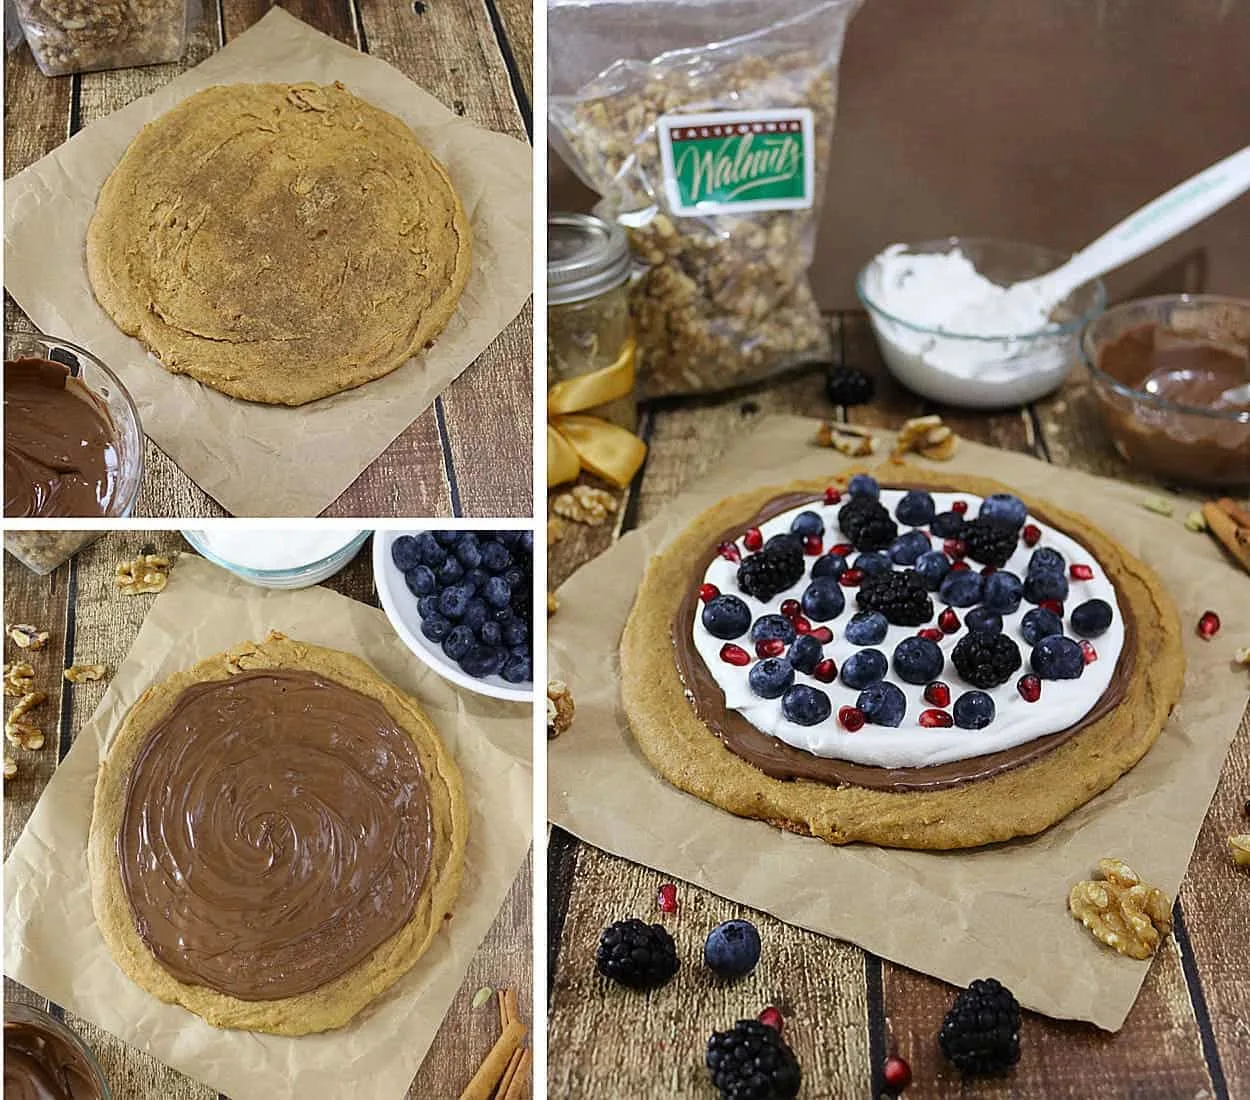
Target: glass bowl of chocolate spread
[
  {"x": 1171, "y": 375},
  {"x": 73, "y": 445},
  {"x": 46, "y": 1060}
]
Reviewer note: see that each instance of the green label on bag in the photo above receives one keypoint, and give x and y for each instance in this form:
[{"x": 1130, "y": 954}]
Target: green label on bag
[{"x": 737, "y": 161}]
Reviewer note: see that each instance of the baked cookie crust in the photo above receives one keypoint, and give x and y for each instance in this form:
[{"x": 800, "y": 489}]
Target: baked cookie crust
[
  {"x": 1020, "y": 802},
  {"x": 335, "y": 1003}
]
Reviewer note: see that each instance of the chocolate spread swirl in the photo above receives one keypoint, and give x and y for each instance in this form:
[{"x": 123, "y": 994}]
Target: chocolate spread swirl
[
  {"x": 782, "y": 761},
  {"x": 40, "y": 1064},
  {"x": 276, "y": 831},
  {"x": 61, "y": 455}
]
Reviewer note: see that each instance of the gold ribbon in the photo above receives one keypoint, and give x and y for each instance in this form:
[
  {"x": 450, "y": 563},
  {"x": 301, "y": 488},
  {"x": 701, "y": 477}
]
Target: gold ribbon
[{"x": 576, "y": 441}]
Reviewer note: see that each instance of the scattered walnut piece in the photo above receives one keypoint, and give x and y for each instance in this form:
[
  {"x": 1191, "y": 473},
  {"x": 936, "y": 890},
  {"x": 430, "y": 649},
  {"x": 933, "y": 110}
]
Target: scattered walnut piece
[
  {"x": 846, "y": 439},
  {"x": 585, "y": 504},
  {"x": 556, "y": 530},
  {"x": 559, "y": 708},
  {"x": 26, "y": 637},
  {"x": 10, "y": 766},
  {"x": 17, "y": 730},
  {"x": 928, "y": 436},
  {"x": 244, "y": 656},
  {"x": 1121, "y": 910},
  {"x": 19, "y": 678},
  {"x": 553, "y": 604},
  {"x": 75, "y": 674},
  {"x": 147, "y": 573},
  {"x": 1195, "y": 521},
  {"x": 1242, "y": 656},
  {"x": 1239, "y": 846},
  {"x": 1158, "y": 505}
]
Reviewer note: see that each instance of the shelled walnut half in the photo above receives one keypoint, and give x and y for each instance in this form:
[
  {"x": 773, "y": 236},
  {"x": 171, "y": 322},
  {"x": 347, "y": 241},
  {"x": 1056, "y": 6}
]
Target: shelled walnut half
[{"x": 1121, "y": 910}]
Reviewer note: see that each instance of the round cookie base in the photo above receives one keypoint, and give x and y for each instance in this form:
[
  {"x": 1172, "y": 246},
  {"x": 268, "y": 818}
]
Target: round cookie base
[
  {"x": 1020, "y": 802},
  {"x": 335, "y": 1003}
]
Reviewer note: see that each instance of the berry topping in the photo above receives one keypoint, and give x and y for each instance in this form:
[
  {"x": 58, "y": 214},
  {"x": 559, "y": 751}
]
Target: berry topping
[
  {"x": 639, "y": 956},
  {"x": 771, "y": 677},
  {"x": 959, "y": 507},
  {"x": 1088, "y": 652},
  {"x": 851, "y": 578},
  {"x": 936, "y": 719},
  {"x": 751, "y": 1060},
  {"x": 754, "y": 539},
  {"x": 1057, "y": 658},
  {"x": 726, "y": 617},
  {"x": 666, "y": 898},
  {"x": 832, "y": 495},
  {"x": 985, "y": 620},
  {"x": 801, "y": 625},
  {"x": 955, "y": 549},
  {"x": 863, "y": 667},
  {"x": 883, "y": 704},
  {"x": 822, "y": 634},
  {"x": 842, "y": 549},
  {"x": 1040, "y": 623},
  {"x": 708, "y": 592},
  {"x": 962, "y": 587},
  {"x": 1003, "y": 591},
  {"x": 866, "y": 628},
  {"x": 915, "y": 509},
  {"x": 989, "y": 542},
  {"x": 946, "y": 525},
  {"x": 831, "y": 565},
  {"x": 732, "y": 949},
  {"x": 1031, "y": 534},
  {"x": 812, "y": 546},
  {"x": 986, "y": 660},
  {"x": 981, "y": 1032},
  {"x": 1045, "y": 586},
  {"x": 988, "y": 570},
  {"x": 938, "y": 694},
  {"x": 929, "y": 633},
  {"x": 864, "y": 485},
  {"x": 729, "y": 552},
  {"x": 771, "y": 1017},
  {"x": 873, "y": 563},
  {"x": 1029, "y": 687},
  {"x": 806, "y": 706},
  {"x": 806, "y": 524},
  {"x": 1208, "y": 625},
  {"x": 791, "y": 609},
  {"x": 822, "y": 600},
  {"x": 959, "y": 567},
  {"x": 770, "y": 647},
  {"x": 848, "y": 386},
  {"x": 772, "y": 626},
  {"x": 895, "y": 1074},
  {"x": 905, "y": 549},
  {"x": 867, "y": 523},
  {"x": 1045, "y": 560},
  {"x": 931, "y": 567},
  {"x": 1055, "y": 607},
  {"x": 973, "y": 710},
  {"x": 948, "y": 621},
  {"x": 900, "y": 597},
  {"x": 825, "y": 671},
  {"x": 734, "y": 655},
  {"x": 1081, "y": 572},
  {"x": 774, "y": 569},
  {"x": 1004, "y": 509},
  {"x": 1091, "y": 618},
  {"x": 851, "y": 719},
  {"x": 918, "y": 660},
  {"x": 805, "y": 653}
]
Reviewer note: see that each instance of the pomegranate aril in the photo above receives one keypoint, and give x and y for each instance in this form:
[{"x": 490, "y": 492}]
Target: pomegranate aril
[
  {"x": 1080, "y": 572},
  {"x": 1030, "y": 688},
  {"x": 729, "y": 551},
  {"x": 1208, "y": 625},
  {"x": 1088, "y": 652},
  {"x": 801, "y": 625},
  {"x": 986, "y": 570},
  {"x": 948, "y": 621},
  {"x": 1031, "y": 534},
  {"x": 851, "y": 578},
  {"x": 896, "y": 1073},
  {"x": 842, "y": 549},
  {"x": 1053, "y": 605},
  {"x": 959, "y": 567},
  {"x": 931, "y": 719},
  {"x": 955, "y": 549},
  {"x": 666, "y": 899},
  {"x": 812, "y": 545},
  {"x": 825, "y": 671},
  {"x": 791, "y": 609},
  {"x": 753, "y": 539},
  {"x": 832, "y": 495},
  {"x": 851, "y": 718},
  {"x": 734, "y": 655},
  {"x": 708, "y": 592},
  {"x": 822, "y": 634},
  {"x": 960, "y": 506},
  {"x": 771, "y": 1017},
  {"x": 938, "y": 694},
  {"x": 770, "y": 647},
  {"x": 932, "y": 633}
]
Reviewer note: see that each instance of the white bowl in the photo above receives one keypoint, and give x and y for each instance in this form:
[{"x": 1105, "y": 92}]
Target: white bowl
[
  {"x": 294, "y": 576},
  {"x": 400, "y": 606}
]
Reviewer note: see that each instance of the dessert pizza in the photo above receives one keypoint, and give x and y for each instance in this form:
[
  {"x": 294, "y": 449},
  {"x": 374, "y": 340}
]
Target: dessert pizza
[{"x": 911, "y": 659}]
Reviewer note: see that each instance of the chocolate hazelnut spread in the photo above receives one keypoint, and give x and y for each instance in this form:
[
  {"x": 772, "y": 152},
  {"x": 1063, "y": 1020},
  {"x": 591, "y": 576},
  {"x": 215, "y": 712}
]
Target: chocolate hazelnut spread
[
  {"x": 61, "y": 455},
  {"x": 41, "y": 1064},
  {"x": 276, "y": 831},
  {"x": 781, "y": 761}
]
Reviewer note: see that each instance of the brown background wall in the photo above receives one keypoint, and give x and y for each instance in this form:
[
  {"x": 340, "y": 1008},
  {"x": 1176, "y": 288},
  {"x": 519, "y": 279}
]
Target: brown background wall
[{"x": 1041, "y": 120}]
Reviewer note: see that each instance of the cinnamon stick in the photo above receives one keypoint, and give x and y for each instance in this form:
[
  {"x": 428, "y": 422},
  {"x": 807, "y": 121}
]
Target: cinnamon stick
[
  {"x": 1233, "y": 537},
  {"x": 492, "y": 1069},
  {"x": 509, "y": 1073},
  {"x": 519, "y": 1088},
  {"x": 1237, "y": 513},
  {"x": 504, "y": 1018}
]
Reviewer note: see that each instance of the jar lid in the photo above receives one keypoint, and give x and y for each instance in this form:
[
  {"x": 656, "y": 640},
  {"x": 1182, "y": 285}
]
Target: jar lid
[{"x": 585, "y": 257}]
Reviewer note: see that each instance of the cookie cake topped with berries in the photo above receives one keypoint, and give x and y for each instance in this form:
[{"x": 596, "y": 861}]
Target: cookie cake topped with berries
[{"x": 899, "y": 657}]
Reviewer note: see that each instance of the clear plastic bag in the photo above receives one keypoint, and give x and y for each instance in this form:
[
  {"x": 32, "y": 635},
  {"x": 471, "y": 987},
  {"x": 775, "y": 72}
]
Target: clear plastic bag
[
  {"x": 79, "y": 36},
  {"x": 725, "y": 297}
]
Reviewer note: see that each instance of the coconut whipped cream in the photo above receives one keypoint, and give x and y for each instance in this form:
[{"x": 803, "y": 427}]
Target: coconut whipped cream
[
  {"x": 1016, "y": 722},
  {"x": 264, "y": 548}
]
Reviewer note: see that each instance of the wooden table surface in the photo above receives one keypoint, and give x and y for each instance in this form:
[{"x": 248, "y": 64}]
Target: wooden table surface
[
  {"x": 1187, "y": 1036},
  {"x": 92, "y": 624},
  {"x": 469, "y": 454}
]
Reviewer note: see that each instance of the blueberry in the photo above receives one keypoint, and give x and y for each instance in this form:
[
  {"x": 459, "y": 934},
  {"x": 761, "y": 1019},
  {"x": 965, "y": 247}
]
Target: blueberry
[
  {"x": 918, "y": 660},
  {"x": 807, "y": 523},
  {"x": 973, "y": 710},
  {"x": 806, "y": 706},
  {"x": 453, "y": 601},
  {"x": 427, "y": 606},
  {"x": 446, "y": 538},
  {"x": 518, "y": 668},
  {"x": 475, "y": 614},
  {"x": 1038, "y": 624},
  {"x": 866, "y": 628},
  {"x": 785, "y": 539},
  {"x": 495, "y": 556},
  {"x": 947, "y": 525},
  {"x": 432, "y": 552},
  {"x": 931, "y": 568},
  {"x": 497, "y": 592},
  {"x": 905, "y": 549},
  {"x": 863, "y": 667},
  {"x": 732, "y": 949},
  {"x": 1045, "y": 560},
  {"x": 805, "y": 653},
  {"x": 984, "y": 620},
  {"x": 772, "y": 626},
  {"x": 515, "y": 633},
  {"x": 405, "y": 553},
  {"x": 864, "y": 486},
  {"x": 476, "y": 578},
  {"x": 1003, "y": 508},
  {"x": 490, "y": 633},
  {"x": 1091, "y": 618},
  {"x": 823, "y": 600},
  {"x": 482, "y": 660},
  {"x": 420, "y": 580},
  {"x": 460, "y": 639},
  {"x": 515, "y": 578},
  {"x": 1045, "y": 586},
  {"x": 469, "y": 553},
  {"x": 1057, "y": 658},
  {"x": 771, "y": 677},
  {"x": 962, "y": 589},
  {"x": 525, "y": 544},
  {"x": 500, "y": 615},
  {"x": 450, "y": 571},
  {"x": 726, "y": 617},
  {"x": 831, "y": 565},
  {"x": 915, "y": 509},
  {"x": 435, "y": 627},
  {"x": 883, "y": 704},
  {"x": 1002, "y": 592},
  {"x": 873, "y": 562}
]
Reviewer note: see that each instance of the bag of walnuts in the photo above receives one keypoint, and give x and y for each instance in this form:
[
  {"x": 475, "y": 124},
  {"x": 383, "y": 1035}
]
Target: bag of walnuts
[{"x": 708, "y": 144}]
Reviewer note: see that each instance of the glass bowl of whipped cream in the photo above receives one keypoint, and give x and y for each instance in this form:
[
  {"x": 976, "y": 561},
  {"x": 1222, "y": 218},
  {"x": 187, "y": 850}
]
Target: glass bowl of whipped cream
[
  {"x": 951, "y": 328},
  {"x": 278, "y": 557}
]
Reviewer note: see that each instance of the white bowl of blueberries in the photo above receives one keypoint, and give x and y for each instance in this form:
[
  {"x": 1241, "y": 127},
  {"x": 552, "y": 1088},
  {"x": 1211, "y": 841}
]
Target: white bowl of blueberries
[{"x": 463, "y": 602}]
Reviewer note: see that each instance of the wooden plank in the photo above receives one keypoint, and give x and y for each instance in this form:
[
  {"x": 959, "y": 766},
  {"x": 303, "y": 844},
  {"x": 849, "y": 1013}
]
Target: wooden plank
[
  {"x": 36, "y": 111},
  {"x": 333, "y": 17},
  {"x": 517, "y": 20}
]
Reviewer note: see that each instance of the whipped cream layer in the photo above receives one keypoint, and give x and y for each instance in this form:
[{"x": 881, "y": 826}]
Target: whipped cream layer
[{"x": 1016, "y": 722}]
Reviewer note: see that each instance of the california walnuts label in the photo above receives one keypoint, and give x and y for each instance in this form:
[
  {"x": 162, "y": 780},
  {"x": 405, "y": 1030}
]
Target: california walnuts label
[{"x": 732, "y": 162}]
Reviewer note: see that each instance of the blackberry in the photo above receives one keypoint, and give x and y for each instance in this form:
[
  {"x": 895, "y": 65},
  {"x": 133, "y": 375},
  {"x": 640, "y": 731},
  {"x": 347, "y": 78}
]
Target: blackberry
[
  {"x": 900, "y": 597},
  {"x": 751, "y": 1061},
  {"x": 986, "y": 660},
  {"x": 848, "y": 386},
  {"x": 867, "y": 523},
  {"x": 638, "y": 955},
  {"x": 981, "y": 1032},
  {"x": 989, "y": 542},
  {"x": 774, "y": 569}
]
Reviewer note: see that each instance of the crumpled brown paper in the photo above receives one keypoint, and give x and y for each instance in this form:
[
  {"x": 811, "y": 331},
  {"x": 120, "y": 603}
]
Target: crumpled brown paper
[
  {"x": 260, "y": 460},
  {"x": 52, "y": 944},
  {"x": 999, "y": 911}
]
